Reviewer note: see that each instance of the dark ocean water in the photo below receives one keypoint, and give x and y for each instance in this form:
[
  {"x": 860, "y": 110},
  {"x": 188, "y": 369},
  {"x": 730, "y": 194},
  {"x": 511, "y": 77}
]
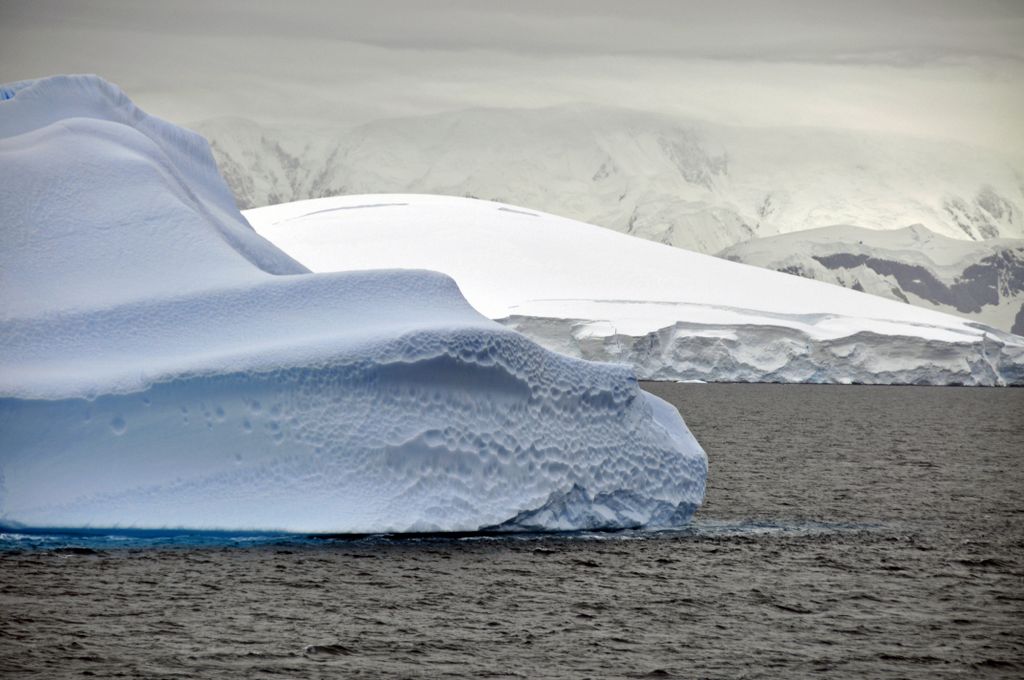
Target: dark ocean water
[{"x": 847, "y": 532}]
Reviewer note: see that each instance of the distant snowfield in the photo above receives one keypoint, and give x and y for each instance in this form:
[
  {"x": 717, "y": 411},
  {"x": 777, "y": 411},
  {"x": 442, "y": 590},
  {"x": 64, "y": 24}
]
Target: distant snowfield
[
  {"x": 979, "y": 280},
  {"x": 670, "y": 313}
]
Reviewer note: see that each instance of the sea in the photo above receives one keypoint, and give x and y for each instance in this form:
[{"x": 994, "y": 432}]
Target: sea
[{"x": 848, "y": 532}]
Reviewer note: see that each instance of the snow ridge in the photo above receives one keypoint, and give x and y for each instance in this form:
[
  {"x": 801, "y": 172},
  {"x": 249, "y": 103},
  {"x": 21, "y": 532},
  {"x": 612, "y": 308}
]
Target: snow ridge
[{"x": 183, "y": 156}]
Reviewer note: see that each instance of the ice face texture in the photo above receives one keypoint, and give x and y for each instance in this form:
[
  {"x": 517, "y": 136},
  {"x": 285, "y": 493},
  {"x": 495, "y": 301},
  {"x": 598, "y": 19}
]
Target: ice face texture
[{"x": 162, "y": 365}]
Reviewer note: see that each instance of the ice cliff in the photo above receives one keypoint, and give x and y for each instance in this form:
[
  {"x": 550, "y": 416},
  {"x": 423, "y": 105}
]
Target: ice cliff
[{"x": 162, "y": 365}]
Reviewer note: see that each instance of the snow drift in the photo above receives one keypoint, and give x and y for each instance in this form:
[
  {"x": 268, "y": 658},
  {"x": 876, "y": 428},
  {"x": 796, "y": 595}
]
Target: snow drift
[
  {"x": 670, "y": 313},
  {"x": 162, "y": 365}
]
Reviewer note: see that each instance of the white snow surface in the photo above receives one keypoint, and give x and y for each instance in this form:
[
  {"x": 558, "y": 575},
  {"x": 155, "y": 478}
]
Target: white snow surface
[
  {"x": 670, "y": 313},
  {"x": 162, "y": 365},
  {"x": 979, "y": 280}
]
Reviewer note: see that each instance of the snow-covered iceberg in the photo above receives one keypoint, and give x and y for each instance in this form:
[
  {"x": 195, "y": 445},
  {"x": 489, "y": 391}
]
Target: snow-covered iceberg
[
  {"x": 670, "y": 313},
  {"x": 162, "y": 365}
]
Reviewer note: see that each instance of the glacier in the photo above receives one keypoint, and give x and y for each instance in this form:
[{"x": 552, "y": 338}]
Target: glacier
[
  {"x": 670, "y": 313},
  {"x": 164, "y": 366}
]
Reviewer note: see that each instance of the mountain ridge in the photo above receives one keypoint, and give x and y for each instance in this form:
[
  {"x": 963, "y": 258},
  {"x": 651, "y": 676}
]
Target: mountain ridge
[
  {"x": 979, "y": 280},
  {"x": 683, "y": 182}
]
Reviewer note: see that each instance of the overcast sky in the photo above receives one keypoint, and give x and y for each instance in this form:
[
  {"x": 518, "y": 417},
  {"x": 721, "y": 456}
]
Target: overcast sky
[{"x": 934, "y": 68}]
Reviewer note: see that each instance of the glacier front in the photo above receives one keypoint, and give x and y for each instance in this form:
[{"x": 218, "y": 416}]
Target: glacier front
[
  {"x": 672, "y": 314},
  {"x": 163, "y": 366}
]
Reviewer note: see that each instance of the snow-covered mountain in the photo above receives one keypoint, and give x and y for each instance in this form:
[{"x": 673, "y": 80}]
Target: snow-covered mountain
[
  {"x": 670, "y": 313},
  {"x": 692, "y": 184},
  {"x": 164, "y": 366},
  {"x": 979, "y": 280}
]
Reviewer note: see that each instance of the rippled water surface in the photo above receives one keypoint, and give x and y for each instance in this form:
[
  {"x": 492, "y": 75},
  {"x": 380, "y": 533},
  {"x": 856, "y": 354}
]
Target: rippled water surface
[{"x": 848, "y": 531}]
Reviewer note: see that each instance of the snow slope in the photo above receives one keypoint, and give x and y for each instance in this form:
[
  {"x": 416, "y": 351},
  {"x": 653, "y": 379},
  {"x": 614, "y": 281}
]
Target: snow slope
[
  {"x": 162, "y": 365},
  {"x": 670, "y": 313},
  {"x": 687, "y": 183},
  {"x": 983, "y": 281}
]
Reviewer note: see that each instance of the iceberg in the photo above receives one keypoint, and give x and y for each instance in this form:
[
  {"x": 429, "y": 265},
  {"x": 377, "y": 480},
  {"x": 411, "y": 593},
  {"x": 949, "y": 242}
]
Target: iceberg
[
  {"x": 672, "y": 314},
  {"x": 164, "y": 366}
]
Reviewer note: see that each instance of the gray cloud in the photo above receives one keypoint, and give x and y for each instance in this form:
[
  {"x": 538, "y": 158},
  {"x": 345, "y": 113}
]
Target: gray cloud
[
  {"x": 946, "y": 69},
  {"x": 747, "y": 29}
]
